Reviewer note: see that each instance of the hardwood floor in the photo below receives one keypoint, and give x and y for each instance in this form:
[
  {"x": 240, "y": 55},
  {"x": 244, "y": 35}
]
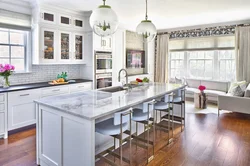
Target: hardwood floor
[{"x": 206, "y": 141}]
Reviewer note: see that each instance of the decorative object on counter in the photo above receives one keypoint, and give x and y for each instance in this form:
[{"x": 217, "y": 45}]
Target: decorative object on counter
[
  {"x": 146, "y": 28},
  {"x": 58, "y": 82},
  {"x": 5, "y": 71},
  {"x": 139, "y": 81},
  {"x": 104, "y": 20},
  {"x": 64, "y": 75}
]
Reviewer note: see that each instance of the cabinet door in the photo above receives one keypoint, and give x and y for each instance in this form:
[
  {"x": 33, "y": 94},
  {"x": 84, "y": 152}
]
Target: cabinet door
[
  {"x": 64, "y": 46},
  {"x": 77, "y": 22},
  {"x": 48, "y": 46},
  {"x": 78, "y": 47},
  {"x": 65, "y": 20},
  {"x": 107, "y": 43},
  {"x": 21, "y": 108},
  {"x": 48, "y": 17},
  {"x": 2, "y": 123}
]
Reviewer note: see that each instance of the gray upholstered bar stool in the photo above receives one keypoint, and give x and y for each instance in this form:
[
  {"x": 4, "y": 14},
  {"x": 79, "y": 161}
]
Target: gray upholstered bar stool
[
  {"x": 115, "y": 127},
  {"x": 144, "y": 116},
  {"x": 165, "y": 106},
  {"x": 179, "y": 99}
]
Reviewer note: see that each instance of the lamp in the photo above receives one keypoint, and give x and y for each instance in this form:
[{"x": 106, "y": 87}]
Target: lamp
[
  {"x": 104, "y": 20},
  {"x": 146, "y": 28}
]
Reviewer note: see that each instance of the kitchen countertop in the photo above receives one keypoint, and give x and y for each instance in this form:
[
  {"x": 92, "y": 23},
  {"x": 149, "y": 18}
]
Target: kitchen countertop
[
  {"x": 37, "y": 85},
  {"x": 95, "y": 104}
]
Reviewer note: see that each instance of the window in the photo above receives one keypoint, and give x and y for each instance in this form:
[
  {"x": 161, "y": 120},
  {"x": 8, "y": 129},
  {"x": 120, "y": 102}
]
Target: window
[
  {"x": 13, "y": 48},
  {"x": 211, "y": 58}
]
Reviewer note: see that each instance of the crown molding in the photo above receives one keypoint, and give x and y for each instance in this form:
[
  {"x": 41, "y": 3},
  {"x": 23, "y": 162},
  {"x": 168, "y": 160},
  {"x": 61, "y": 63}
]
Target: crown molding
[{"x": 17, "y": 6}]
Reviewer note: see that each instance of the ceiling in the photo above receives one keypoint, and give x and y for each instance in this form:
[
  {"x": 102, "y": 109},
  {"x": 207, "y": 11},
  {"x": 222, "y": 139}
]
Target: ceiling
[{"x": 167, "y": 14}]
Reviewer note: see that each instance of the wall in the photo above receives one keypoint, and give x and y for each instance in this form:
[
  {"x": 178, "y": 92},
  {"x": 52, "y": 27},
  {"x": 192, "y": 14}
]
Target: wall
[
  {"x": 44, "y": 73},
  {"x": 134, "y": 41}
]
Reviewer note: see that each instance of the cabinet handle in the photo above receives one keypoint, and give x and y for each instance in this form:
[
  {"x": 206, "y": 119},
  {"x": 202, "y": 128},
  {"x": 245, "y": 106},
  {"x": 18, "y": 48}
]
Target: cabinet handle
[
  {"x": 81, "y": 86},
  {"x": 42, "y": 15},
  {"x": 56, "y": 90},
  {"x": 25, "y": 95}
]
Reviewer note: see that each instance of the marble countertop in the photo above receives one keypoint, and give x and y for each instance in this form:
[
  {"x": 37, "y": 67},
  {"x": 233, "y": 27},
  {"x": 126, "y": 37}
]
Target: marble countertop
[
  {"x": 37, "y": 85},
  {"x": 96, "y": 104}
]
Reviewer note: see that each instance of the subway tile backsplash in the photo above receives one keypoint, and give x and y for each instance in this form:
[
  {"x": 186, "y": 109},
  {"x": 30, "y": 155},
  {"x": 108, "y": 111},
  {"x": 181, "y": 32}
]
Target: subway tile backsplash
[{"x": 43, "y": 73}]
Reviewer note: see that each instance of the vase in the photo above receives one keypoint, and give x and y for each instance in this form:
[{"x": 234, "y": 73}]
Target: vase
[
  {"x": 6, "y": 82},
  {"x": 204, "y": 102}
]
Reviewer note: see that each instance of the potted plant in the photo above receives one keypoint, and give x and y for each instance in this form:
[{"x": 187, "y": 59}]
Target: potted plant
[{"x": 5, "y": 71}]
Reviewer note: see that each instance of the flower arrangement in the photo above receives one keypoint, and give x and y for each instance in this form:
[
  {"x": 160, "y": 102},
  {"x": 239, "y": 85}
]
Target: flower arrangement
[
  {"x": 201, "y": 88},
  {"x": 5, "y": 71}
]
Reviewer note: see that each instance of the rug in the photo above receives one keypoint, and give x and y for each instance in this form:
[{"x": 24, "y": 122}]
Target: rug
[{"x": 211, "y": 108}]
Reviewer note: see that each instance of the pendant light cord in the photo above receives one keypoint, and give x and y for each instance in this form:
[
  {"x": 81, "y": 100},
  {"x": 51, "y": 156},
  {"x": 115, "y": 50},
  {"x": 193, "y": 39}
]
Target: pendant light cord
[
  {"x": 146, "y": 17},
  {"x": 104, "y": 2}
]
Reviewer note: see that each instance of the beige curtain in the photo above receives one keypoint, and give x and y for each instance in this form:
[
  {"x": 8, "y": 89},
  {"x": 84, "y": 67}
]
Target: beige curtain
[
  {"x": 243, "y": 53},
  {"x": 161, "y": 68}
]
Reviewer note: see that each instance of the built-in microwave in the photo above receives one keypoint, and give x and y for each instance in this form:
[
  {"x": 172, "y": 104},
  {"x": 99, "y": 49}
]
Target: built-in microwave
[{"x": 103, "y": 62}]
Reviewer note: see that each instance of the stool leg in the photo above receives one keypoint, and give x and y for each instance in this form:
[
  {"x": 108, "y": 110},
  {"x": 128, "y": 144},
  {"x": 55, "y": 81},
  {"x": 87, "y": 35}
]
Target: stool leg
[
  {"x": 130, "y": 139},
  {"x": 114, "y": 148},
  {"x": 184, "y": 114},
  {"x": 136, "y": 128},
  {"x": 120, "y": 139},
  {"x": 181, "y": 115}
]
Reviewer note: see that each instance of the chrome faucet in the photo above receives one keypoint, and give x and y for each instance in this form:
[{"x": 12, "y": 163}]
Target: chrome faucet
[{"x": 119, "y": 76}]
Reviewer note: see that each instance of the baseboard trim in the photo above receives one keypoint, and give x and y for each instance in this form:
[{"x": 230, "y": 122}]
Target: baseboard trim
[{"x": 21, "y": 129}]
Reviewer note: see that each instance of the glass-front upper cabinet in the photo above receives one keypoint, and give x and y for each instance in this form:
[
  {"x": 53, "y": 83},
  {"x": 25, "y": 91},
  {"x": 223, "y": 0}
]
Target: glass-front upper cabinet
[
  {"x": 77, "y": 22},
  {"x": 65, "y": 49},
  {"x": 65, "y": 20},
  {"x": 78, "y": 47},
  {"x": 48, "y": 44},
  {"x": 48, "y": 17}
]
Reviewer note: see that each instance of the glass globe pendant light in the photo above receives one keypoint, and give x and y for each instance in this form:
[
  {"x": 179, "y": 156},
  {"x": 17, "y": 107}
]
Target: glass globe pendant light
[
  {"x": 104, "y": 20},
  {"x": 146, "y": 28}
]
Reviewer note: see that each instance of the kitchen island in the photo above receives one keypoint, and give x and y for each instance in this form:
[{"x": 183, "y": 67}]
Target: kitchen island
[{"x": 66, "y": 123}]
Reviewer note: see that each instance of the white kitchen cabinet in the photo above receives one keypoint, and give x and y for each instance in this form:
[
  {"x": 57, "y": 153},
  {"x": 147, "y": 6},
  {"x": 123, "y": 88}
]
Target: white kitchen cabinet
[
  {"x": 65, "y": 20},
  {"x": 21, "y": 108},
  {"x": 65, "y": 47},
  {"x": 78, "y": 49},
  {"x": 54, "y": 91},
  {"x": 48, "y": 17},
  {"x": 81, "y": 87},
  {"x": 48, "y": 45},
  {"x": 102, "y": 43},
  {"x": 3, "y": 115}
]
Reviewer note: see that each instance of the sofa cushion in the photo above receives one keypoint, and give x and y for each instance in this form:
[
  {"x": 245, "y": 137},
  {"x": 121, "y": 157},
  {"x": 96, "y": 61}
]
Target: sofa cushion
[
  {"x": 215, "y": 85},
  {"x": 235, "y": 84},
  {"x": 237, "y": 91},
  {"x": 193, "y": 83},
  {"x": 191, "y": 90},
  {"x": 247, "y": 91},
  {"x": 214, "y": 93}
]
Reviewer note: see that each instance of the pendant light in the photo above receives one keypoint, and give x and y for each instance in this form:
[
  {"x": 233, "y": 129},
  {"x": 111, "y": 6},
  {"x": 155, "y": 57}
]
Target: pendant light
[
  {"x": 146, "y": 28},
  {"x": 104, "y": 20}
]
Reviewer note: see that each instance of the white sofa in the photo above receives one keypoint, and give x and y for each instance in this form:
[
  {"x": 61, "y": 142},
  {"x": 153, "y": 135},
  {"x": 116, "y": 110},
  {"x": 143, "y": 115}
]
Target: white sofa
[
  {"x": 213, "y": 88},
  {"x": 234, "y": 103}
]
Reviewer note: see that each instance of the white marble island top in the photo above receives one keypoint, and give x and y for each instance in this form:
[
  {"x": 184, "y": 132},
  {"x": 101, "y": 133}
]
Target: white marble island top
[{"x": 95, "y": 104}]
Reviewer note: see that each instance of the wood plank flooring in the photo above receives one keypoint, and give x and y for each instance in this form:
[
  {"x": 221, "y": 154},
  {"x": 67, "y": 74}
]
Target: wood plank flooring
[{"x": 206, "y": 141}]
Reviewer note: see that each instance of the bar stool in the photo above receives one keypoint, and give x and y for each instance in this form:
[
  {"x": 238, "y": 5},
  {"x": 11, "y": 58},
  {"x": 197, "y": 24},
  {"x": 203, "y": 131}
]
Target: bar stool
[
  {"x": 145, "y": 117},
  {"x": 179, "y": 99},
  {"x": 115, "y": 127},
  {"x": 165, "y": 106}
]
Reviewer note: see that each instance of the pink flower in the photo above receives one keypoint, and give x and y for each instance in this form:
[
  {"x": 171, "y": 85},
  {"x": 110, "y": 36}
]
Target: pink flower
[
  {"x": 2, "y": 70},
  {"x": 7, "y": 67},
  {"x": 202, "y": 88},
  {"x": 12, "y": 67}
]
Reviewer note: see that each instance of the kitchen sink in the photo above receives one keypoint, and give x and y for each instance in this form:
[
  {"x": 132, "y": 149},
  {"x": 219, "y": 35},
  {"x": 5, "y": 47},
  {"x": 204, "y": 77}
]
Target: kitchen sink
[{"x": 113, "y": 89}]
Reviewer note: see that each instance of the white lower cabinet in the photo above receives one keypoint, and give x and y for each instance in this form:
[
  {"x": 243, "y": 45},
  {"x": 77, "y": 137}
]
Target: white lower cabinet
[
  {"x": 3, "y": 115},
  {"x": 55, "y": 91},
  {"x": 81, "y": 87},
  {"x": 21, "y": 108}
]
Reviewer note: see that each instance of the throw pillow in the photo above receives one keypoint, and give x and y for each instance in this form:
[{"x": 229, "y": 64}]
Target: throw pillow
[
  {"x": 235, "y": 84},
  {"x": 237, "y": 92},
  {"x": 247, "y": 91}
]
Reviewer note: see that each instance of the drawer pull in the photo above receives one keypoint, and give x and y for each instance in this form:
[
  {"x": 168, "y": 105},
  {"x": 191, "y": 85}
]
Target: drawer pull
[
  {"x": 81, "y": 86},
  {"x": 25, "y": 95},
  {"x": 56, "y": 90}
]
